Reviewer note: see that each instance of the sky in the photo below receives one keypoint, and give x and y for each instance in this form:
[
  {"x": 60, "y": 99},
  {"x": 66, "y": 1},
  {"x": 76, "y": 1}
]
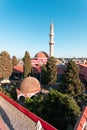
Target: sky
[{"x": 25, "y": 26}]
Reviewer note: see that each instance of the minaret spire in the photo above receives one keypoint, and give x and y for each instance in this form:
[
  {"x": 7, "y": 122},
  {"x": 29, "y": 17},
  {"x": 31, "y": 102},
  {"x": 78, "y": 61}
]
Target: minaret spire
[{"x": 51, "y": 43}]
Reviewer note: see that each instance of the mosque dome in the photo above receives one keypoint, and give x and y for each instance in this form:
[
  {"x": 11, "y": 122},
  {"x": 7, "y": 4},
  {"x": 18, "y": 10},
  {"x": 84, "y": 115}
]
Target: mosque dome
[
  {"x": 41, "y": 55},
  {"x": 30, "y": 85}
]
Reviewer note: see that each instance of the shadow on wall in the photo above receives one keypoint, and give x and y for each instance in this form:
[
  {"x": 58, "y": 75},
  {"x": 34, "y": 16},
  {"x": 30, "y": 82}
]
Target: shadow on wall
[{"x": 5, "y": 118}]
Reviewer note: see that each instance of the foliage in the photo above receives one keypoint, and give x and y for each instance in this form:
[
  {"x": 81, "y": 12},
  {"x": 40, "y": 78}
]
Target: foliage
[
  {"x": 81, "y": 100},
  {"x": 9, "y": 90},
  {"x": 27, "y": 65},
  {"x": 35, "y": 102},
  {"x": 71, "y": 83},
  {"x": 58, "y": 109},
  {"x": 14, "y": 61},
  {"x": 49, "y": 72},
  {"x": 5, "y": 65},
  {"x": 44, "y": 76},
  {"x": 12, "y": 91},
  {"x": 3, "y": 90}
]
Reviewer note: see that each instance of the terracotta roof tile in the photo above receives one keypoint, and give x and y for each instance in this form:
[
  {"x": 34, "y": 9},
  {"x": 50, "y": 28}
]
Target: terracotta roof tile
[
  {"x": 41, "y": 55},
  {"x": 18, "y": 68},
  {"x": 30, "y": 85}
]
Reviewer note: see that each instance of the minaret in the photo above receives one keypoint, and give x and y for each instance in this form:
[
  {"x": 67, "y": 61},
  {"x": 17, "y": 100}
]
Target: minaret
[{"x": 51, "y": 43}]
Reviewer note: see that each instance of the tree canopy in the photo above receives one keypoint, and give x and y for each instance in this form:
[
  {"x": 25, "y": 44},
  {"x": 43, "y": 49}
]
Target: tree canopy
[
  {"x": 5, "y": 65},
  {"x": 49, "y": 72},
  {"x": 14, "y": 61},
  {"x": 71, "y": 83},
  {"x": 27, "y": 64},
  {"x": 57, "y": 108},
  {"x": 81, "y": 100},
  {"x": 44, "y": 76}
]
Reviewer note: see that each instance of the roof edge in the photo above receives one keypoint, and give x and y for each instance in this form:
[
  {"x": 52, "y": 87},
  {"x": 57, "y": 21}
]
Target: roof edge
[
  {"x": 28, "y": 113},
  {"x": 81, "y": 120}
]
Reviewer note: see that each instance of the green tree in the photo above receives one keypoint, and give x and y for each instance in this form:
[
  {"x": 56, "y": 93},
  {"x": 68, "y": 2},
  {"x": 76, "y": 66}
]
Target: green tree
[
  {"x": 49, "y": 73},
  {"x": 35, "y": 102},
  {"x": 81, "y": 100},
  {"x": 27, "y": 64},
  {"x": 57, "y": 108},
  {"x": 5, "y": 65},
  {"x": 14, "y": 61},
  {"x": 60, "y": 110},
  {"x": 52, "y": 70},
  {"x": 9, "y": 91},
  {"x": 71, "y": 83},
  {"x": 3, "y": 90},
  {"x": 44, "y": 76}
]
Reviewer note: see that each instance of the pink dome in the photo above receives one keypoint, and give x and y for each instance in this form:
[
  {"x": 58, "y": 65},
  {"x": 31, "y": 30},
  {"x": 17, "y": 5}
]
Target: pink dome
[{"x": 41, "y": 55}]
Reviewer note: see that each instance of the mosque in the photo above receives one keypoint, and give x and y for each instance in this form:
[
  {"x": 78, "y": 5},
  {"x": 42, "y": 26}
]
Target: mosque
[
  {"x": 30, "y": 85},
  {"x": 15, "y": 116},
  {"x": 42, "y": 57}
]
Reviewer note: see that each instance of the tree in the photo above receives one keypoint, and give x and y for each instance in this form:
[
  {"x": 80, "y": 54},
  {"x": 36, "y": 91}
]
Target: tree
[
  {"x": 81, "y": 100},
  {"x": 9, "y": 90},
  {"x": 50, "y": 71},
  {"x": 60, "y": 110},
  {"x": 14, "y": 61},
  {"x": 57, "y": 108},
  {"x": 44, "y": 76},
  {"x": 0, "y": 68},
  {"x": 35, "y": 102},
  {"x": 3, "y": 90},
  {"x": 27, "y": 64},
  {"x": 5, "y": 65},
  {"x": 71, "y": 83}
]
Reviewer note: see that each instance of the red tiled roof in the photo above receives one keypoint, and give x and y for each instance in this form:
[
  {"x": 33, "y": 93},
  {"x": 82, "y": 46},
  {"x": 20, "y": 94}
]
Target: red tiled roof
[
  {"x": 34, "y": 61},
  {"x": 37, "y": 69},
  {"x": 41, "y": 55},
  {"x": 80, "y": 125},
  {"x": 30, "y": 85},
  {"x": 84, "y": 65},
  {"x": 18, "y": 68}
]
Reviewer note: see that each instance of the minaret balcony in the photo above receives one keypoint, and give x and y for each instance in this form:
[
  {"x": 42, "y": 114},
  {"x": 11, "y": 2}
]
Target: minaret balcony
[{"x": 51, "y": 34}]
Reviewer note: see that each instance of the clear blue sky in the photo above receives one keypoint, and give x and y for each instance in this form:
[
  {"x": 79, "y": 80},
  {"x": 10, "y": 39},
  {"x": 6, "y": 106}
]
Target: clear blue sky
[{"x": 24, "y": 25}]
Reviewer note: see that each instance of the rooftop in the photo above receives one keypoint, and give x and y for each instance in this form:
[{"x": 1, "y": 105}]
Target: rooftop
[
  {"x": 84, "y": 65},
  {"x": 41, "y": 55},
  {"x": 29, "y": 85},
  {"x": 82, "y": 121},
  {"x": 16, "y": 117}
]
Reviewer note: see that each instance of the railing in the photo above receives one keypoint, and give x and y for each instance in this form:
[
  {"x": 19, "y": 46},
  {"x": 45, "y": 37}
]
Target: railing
[{"x": 31, "y": 115}]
